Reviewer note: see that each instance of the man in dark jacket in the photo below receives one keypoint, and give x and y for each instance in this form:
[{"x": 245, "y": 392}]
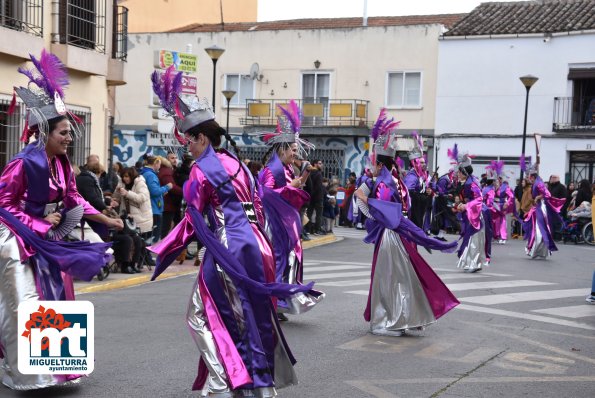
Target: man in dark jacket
[{"x": 316, "y": 199}]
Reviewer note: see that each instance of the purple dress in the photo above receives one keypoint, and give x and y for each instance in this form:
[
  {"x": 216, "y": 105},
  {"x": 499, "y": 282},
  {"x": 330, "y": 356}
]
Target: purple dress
[
  {"x": 405, "y": 293},
  {"x": 231, "y": 314},
  {"x": 538, "y": 222},
  {"x": 472, "y": 254},
  {"x": 31, "y": 266},
  {"x": 283, "y": 224}
]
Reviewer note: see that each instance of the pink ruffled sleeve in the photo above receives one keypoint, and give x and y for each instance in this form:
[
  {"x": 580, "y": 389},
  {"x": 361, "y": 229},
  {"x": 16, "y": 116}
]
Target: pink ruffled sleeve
[
  {"x": 14, "y": 193},
  {"x": 473, "y": 207},
  {"x": 296, "y": 197}
]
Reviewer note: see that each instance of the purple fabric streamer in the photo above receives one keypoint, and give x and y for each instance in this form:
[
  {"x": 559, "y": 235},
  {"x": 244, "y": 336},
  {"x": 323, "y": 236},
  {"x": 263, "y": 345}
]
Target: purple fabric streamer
[{"x": 82, "y": 259}]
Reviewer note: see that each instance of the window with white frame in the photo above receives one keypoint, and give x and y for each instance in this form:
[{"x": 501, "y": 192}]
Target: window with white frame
[
  {"x": 403, "y": 90},
  {"x": 243, "y": 85}
]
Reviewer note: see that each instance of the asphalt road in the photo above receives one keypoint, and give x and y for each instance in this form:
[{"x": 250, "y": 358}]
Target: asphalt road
[{"x": 523, "y": 329}]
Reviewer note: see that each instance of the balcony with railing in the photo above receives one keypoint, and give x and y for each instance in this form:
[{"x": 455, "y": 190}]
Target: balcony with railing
[
  {"x": 330, "y": 113},
  {"x": 81, "y": 23},
  {"x": 21, "y": 27},
  {"x": 22, "y": 15},
  {"x": 120, "y": 33},
  {"x": 574, "y": 114}
]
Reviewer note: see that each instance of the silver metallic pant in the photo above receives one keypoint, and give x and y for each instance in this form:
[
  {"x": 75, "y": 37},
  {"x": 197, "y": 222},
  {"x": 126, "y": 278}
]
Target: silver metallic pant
[
  {"x": 17, "y": 285},
  {"x": 474, "y": 255}
]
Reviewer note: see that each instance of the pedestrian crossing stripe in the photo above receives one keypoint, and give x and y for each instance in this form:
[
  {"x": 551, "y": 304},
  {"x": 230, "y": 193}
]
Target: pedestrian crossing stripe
[
  {"x": 575, "y": 311},
  {"x": 524, "y": 296}
]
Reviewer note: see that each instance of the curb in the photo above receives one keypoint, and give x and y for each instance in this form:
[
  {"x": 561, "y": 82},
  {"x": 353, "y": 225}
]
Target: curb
[
  {"x": 143, "y": 279},
  {"x": 133, "y": 281}
]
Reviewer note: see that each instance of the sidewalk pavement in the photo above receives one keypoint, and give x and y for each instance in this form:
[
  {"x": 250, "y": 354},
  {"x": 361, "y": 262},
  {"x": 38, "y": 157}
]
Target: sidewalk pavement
[{"x": 120, "y": 281}]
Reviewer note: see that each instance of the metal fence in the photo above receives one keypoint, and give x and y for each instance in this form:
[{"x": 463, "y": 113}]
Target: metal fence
[
  {"x": 574, "y": 113},
  {"x": 333, "y": 160},
  {"x": 10, "y": 132},
  {"x": 81, "y": 146},
  {"x": 120, "y": 33},
  {"x": 22, "y": 15},
  {"x": 81, "y": 23},
  {"x": 334, "y": 112}
]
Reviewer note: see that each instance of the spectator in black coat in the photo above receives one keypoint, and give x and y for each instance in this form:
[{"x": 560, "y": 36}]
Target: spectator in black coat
[
  {"x": 316, "y": 199},
  {"x": 584, "y": 193},
  {"x": 557, "y": 190},
  {"x": 126, "y": 247}
]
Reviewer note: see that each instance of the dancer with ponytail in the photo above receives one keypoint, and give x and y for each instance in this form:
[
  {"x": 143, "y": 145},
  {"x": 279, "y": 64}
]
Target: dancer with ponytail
[
  {"x": 405, "y": 293},
  {"x": 40, "y": 205},
  {"x": 231, "y": 314},
  {"x": 282, "y": 198}
]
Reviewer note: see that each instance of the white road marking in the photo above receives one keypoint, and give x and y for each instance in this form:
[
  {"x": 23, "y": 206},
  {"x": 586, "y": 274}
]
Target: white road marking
[
  {"x": 457, "y": 287},
  {"x": 335, "y": 275},
  {"x": 459, "y": 271},
  {"x": 311, "y": 269},
  {"x": 353, "y": 282},
  {"x": 575, "y": 311},
  {"x": 523, "y": 296},
  {"x": 520, "y": 315}
]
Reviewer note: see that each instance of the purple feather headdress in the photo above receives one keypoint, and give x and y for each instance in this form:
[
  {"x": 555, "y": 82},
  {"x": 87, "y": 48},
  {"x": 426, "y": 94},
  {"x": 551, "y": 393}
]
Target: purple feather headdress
[
  {"x": 167, "y": 87},
  {"x": 453, "y": 154},
  {"x": 292, "y": 116},
  {"x": 46, "y": 102},
  {"x": 523, "y": 162},
  {"x": 497, "y": 166},
  {"x": 49, "y": 74},
  {"x": 289, "y": 125}
]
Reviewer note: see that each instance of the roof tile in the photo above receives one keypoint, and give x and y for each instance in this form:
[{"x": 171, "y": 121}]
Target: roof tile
[
  {"x": 447, "y": 20},
  {"x": 538, "y": 16}
]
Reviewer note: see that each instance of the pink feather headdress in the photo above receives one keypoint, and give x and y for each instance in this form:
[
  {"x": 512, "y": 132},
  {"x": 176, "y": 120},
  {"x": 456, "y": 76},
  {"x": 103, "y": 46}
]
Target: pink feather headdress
[
  {"x": 289, "y": 126},
  {"x": 382, "y": 134}
]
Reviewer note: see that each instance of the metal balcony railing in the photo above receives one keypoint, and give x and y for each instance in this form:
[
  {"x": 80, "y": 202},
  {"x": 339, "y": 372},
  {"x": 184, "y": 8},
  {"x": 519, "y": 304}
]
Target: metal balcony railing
[
  {"x": 81, "y": 23},
  {"x": 332, "y": 113},
  {"x": 120, "y": 33},
  {"x": 23, "y": 15},
  {"x": 574, "y": 114}
]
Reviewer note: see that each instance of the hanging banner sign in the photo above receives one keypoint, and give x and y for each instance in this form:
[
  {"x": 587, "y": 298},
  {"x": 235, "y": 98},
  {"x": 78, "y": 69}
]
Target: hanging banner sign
[{"x": 183, "y": 62}]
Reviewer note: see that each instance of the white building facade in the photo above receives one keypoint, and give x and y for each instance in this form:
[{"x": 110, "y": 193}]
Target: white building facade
[{"x": 480, "y": 101}]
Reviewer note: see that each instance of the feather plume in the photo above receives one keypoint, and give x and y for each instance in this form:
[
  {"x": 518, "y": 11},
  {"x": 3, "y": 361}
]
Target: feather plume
[
  {"x": 378, "y": 125},
  {"x": 400, "y": 163},
  {"x": 524, "y": 161},
  {"x": 453, "y": 153},
  {"x": 49, "y": 74},
  {"x": 419, "y": 141},
  {"x": 167, "y": 87},
  {"x": 498, "y": 167},
  {"x": 293, "y": 114}
]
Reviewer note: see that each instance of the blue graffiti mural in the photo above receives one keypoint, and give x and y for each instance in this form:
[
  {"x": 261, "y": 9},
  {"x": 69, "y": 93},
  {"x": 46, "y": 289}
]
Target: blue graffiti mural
[{"x": 130, "y": 145}]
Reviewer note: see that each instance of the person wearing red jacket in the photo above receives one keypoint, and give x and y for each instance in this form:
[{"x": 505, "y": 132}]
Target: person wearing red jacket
[{"x": 172, "y": 202}]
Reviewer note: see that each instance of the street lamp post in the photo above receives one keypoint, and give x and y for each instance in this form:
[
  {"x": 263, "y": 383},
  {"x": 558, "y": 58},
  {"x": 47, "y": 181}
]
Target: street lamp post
[
  {"x": 228, "y": 94},
  {"x": 528, "y": 81},
  {"x": 214, "y": 52}
]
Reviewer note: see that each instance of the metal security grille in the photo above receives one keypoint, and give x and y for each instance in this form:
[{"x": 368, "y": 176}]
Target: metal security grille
[
  {"x": 333, "y": 161},
  {"x": 120, "y": 33},
  {"x": 82, "y": 23},
  {"x": 10, "y": 132},
  {"x": 582, "y": 166},
  {"x": 23, "y": 15},
  {"x": 253, "y": 152},
  {"x": 81, "y": 147}
]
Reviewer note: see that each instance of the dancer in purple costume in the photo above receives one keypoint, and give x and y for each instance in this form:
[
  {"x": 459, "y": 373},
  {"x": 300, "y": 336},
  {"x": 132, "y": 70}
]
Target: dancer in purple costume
[
  {"x": 405, "y": 293},
  {"x": 40, "y": 205},
  {"x": 417, "y": 181},
  {"x": 488, "y": 193},
  {"x": 503, "y": 204},
  {"x": 231, "y": 314},
  {"x": 282, "y": 199},
  {"x": 538, "y": 222},
  {"x": 471, "y": 253}
]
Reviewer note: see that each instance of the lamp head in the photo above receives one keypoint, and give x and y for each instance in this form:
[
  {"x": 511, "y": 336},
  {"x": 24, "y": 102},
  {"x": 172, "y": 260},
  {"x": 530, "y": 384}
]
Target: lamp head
[
  {"x": 528, "y": 80},
  {"x": 214, "y": 52},
  {"x": 228, "y": 94}
]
